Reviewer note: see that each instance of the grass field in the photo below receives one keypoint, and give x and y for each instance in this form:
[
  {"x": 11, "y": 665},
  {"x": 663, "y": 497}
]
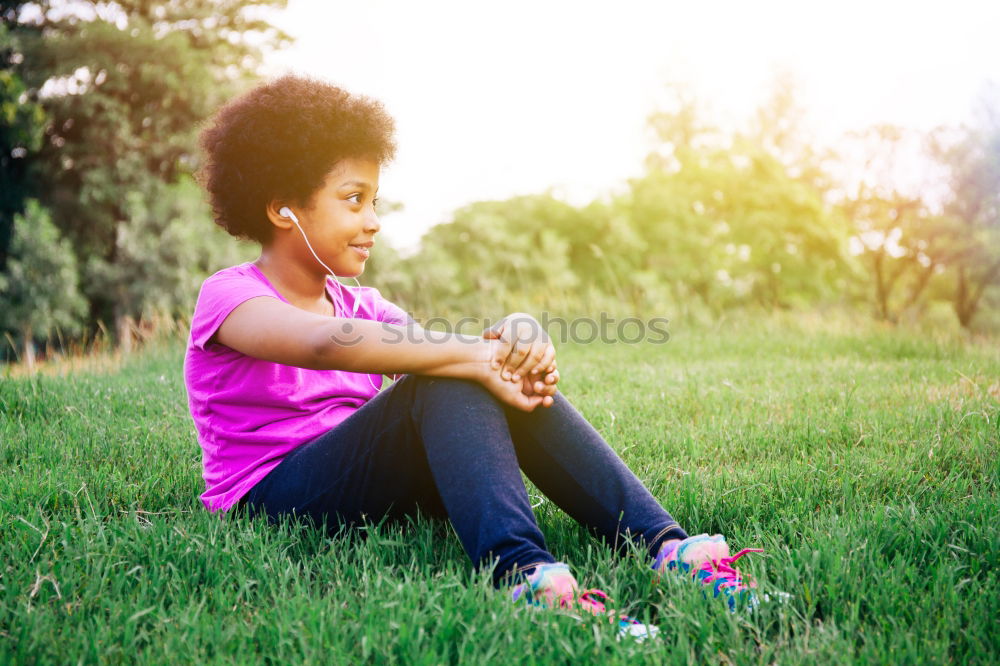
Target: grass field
[{"x": 865, "y": 463}]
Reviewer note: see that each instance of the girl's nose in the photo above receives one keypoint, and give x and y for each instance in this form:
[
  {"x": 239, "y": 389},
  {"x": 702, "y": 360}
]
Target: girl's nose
[{"x": 371, "y": 223}]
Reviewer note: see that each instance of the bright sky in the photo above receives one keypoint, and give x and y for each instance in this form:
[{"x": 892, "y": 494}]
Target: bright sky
[{"x": 497, "y": 99}]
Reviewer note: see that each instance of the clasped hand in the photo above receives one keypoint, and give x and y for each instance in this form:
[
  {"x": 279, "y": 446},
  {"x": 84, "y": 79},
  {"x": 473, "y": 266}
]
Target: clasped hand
[{"x": 524, "y": 358}]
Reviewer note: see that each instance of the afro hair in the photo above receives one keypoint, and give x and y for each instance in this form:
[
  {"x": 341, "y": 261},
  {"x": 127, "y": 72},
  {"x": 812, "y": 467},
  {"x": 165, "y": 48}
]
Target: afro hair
[{"x": 279, "y": 141}]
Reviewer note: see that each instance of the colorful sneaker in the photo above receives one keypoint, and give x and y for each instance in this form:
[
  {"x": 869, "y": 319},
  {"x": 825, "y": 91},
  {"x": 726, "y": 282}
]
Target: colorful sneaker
[
  {"x": 553, "y": 586},
  {"x": 706, "y": 559}
]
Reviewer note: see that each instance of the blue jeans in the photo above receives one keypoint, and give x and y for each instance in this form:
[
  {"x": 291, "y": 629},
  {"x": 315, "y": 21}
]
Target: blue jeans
[{"x": 449, "y": 448}]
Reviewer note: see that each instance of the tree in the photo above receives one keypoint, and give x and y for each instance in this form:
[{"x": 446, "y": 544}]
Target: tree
[
  {"x": 721, "y": 219},
  {"x": 900, "y": 239},
  {"x": 516, "y": 248},
  {"x": 39, "y": 292},
  {"x": 972, "y": 209},
  {"x": 21, "y": 129},
  {"x": 124, "y": 85},
  {"x": 169, "y": 245},
  {"x": 738, "y": 218}
]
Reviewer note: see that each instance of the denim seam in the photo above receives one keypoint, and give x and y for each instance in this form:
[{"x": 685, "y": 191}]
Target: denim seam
[
  {"x": 519, "y": 570},
  {"x": 663, "y": 532}
]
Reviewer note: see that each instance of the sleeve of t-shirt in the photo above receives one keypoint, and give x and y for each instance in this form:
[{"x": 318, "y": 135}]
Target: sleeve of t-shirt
[{"x": 220, "y": 294}]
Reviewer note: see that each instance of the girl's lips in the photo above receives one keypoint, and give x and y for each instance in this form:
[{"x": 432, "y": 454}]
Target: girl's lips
[{"x": 362, "y": 251}]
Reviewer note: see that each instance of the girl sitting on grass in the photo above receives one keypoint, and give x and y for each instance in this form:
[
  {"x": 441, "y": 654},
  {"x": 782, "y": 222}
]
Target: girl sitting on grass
[{"x": 284, "y": 365}]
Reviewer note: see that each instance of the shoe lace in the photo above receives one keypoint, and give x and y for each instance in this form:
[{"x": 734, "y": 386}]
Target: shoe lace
[
  {"x": 589, "y": 602},
  {"x": 592, "y": 601},
  {"x": 723, "y": 574}
]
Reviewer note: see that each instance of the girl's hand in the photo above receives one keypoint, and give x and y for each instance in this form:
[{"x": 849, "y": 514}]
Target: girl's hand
[
  {"x": 544, "y": 385},
  {"x": 513, "y": 394},
  {"x": 523, "y": 348}
]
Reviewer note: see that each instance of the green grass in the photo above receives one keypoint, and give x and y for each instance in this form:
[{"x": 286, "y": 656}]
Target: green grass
[{"x": 864, "y": 462}]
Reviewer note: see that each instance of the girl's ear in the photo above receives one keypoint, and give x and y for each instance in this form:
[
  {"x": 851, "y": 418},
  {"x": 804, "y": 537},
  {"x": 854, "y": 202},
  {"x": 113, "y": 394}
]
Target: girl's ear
[{"x": 273, "y": 211}]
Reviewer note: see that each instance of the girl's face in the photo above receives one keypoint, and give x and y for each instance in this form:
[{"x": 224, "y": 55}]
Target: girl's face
[{"x": 340, "y": 218}]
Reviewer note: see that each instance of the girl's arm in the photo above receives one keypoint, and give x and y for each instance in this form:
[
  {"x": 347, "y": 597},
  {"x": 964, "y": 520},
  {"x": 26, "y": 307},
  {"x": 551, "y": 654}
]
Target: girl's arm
[{"x": 272, "y": 330}]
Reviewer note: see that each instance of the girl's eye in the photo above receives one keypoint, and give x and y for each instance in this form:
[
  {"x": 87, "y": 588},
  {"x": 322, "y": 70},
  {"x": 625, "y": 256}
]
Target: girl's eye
[
  {"x": 375, "y": 201},
  {"x": 356, "y": 197}
]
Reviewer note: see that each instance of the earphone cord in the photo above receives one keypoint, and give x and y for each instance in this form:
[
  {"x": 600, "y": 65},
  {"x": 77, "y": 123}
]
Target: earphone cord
[{"x": 357, "y": 298}]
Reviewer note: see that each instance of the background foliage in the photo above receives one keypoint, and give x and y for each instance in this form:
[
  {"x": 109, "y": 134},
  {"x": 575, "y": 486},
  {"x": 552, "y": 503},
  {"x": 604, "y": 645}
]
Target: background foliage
[{"x": 100, "y": 104}]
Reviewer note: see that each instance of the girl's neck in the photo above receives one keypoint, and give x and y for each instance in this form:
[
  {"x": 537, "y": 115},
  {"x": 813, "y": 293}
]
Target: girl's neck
[{"x": 300, "y": 287}]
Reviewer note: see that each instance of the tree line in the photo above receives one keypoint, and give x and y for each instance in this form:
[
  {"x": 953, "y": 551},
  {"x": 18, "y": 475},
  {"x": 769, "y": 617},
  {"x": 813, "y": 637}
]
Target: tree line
[
  {"x": 102, "y": 226},
  {"x": 100, "y": 222},
  {"x": 756, "y": 218}
]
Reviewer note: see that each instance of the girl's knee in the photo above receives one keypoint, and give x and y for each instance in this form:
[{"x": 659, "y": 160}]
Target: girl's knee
[{"x": 456, "y": 391}]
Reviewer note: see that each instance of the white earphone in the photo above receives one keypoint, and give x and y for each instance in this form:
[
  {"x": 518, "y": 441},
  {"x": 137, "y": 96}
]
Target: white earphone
[{"x": 285, "y": 211}]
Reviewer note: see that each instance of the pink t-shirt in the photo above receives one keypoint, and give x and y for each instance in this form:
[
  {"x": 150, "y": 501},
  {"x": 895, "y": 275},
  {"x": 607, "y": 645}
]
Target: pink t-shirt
[{"x": 250, "y": 413}]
